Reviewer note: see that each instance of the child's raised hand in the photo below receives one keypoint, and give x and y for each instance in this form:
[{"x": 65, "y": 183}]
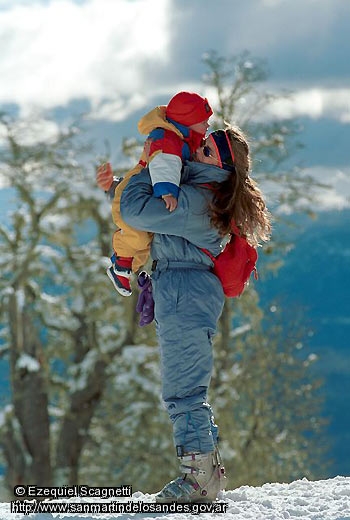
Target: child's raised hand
[
  {"x": 170, "y": 202},
  {"x": 104, "y": 176}
]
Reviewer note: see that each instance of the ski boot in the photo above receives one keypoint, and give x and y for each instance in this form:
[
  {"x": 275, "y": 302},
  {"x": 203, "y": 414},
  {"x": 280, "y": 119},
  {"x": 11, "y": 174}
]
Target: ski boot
[{"x": 203, "y": 477}]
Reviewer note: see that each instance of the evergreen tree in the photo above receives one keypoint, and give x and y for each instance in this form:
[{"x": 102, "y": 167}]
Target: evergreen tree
[{"x": 62, "y": 327}]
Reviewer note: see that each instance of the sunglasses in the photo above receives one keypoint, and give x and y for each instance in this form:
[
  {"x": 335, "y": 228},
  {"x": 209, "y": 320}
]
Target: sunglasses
[{"x": 206, "y": 151}]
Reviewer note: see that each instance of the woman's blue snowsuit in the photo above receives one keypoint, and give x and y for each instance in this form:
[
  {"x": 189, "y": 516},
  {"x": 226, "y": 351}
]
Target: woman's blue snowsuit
[{"x": 188, "y": 296}]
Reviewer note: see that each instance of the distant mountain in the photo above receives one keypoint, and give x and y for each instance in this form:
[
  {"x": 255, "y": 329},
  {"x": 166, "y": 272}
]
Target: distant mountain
[{"x": 316, "y": 279}]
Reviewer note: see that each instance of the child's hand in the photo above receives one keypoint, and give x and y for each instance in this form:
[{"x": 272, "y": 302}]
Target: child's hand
[
  {"x": 170, "y": 202},
  {"x": 147, "y": 148},
  {"x": 104, "y": 176}
]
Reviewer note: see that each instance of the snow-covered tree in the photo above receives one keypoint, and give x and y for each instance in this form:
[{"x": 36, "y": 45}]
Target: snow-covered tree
[{"x": 61, "y": 326}]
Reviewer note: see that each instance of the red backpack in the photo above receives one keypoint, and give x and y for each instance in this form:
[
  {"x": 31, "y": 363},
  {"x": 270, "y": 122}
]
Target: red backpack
[{"x": 234, "y": 265}]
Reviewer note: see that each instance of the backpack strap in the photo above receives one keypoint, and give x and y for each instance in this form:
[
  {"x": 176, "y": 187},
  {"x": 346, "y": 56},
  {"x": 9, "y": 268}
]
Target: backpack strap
[{"x": 208, "y": 253}]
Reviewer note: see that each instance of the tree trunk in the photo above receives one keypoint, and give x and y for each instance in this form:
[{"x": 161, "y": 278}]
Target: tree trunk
[
  {"x": 75, "y": 426},
  {"x": 27, "y": 444}
]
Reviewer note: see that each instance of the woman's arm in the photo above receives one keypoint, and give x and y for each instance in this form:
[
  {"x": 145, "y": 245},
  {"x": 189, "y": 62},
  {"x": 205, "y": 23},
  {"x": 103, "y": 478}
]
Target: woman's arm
[{"x": 141, "y": 210}]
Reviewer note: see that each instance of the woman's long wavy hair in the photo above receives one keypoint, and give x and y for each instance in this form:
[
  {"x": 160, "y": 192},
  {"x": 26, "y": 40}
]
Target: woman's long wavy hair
[{"x": 239, "y": 199}]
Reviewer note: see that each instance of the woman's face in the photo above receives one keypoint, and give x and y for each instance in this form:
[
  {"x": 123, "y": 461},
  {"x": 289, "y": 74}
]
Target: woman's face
[{"x": 202, "y": 157}]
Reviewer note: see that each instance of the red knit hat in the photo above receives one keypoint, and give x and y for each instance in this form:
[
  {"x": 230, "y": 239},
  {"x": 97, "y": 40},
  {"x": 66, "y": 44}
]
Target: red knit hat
[{"x": 188, "y": 108}]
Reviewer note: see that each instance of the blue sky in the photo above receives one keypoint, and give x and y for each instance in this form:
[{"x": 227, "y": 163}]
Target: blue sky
[{"x": 118, "y": 58}]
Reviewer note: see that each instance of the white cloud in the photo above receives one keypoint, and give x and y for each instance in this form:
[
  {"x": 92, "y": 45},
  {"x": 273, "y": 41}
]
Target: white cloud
[
  {"x": 118, "y": 108},
  {"x": 337, "y": 196},
  {"x": 314, "y": 103},
  {"x": 331, "y": 201},
  {"x": 334, "y": 194},
  {"x": 54, "y": 53},
  {"x": 29, "y": 132}
]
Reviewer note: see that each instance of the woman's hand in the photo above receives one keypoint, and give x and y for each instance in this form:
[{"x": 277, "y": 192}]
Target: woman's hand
[{"x": 104, "y": 176}]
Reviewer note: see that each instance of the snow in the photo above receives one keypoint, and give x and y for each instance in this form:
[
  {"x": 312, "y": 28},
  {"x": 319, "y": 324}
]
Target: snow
[
  {"x": 3, "y": 413},
  {"x": 299, "y": 500},
  {"x": 28, "y": 363}
]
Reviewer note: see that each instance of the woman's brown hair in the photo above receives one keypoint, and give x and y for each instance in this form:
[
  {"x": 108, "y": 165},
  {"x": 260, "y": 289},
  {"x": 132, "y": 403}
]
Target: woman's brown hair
[{"x": 239, "y": 200}]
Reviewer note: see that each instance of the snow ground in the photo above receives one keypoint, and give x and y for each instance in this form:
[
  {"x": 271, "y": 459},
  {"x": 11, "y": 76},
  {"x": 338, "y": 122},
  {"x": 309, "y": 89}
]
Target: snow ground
[{"x": 299, "y": 500}]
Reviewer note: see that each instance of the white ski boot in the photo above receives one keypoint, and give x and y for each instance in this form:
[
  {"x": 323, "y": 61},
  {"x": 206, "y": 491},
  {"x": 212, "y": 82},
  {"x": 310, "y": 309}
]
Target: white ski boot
[{"x": 203, "y": 477}]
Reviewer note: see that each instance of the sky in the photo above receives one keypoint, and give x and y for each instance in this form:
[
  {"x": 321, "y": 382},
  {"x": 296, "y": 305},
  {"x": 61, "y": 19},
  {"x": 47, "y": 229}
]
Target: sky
[
  {"x": 116, "y": 59},
  {"x": 120, "y": 53},
  {"x": 302, "y": 499}
]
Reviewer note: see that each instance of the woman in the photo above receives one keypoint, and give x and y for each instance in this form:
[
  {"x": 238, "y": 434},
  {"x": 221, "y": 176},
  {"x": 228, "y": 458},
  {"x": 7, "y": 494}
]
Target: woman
[{"x": 189, "y": 298}]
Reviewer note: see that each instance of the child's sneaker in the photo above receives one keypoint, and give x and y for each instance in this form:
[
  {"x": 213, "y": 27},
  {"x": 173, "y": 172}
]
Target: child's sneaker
[{"x": 119, "y": 272}]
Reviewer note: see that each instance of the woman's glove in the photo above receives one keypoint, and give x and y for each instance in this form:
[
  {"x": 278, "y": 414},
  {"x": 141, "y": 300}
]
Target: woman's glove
[{"x": 145, "y": 302}]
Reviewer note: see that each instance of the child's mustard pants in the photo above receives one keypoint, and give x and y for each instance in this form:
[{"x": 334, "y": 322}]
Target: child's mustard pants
[{"x": 128, "y": 241}]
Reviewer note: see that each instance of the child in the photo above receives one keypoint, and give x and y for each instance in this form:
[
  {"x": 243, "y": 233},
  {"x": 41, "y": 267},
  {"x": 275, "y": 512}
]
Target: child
[{"x": 175, "y": 132}]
